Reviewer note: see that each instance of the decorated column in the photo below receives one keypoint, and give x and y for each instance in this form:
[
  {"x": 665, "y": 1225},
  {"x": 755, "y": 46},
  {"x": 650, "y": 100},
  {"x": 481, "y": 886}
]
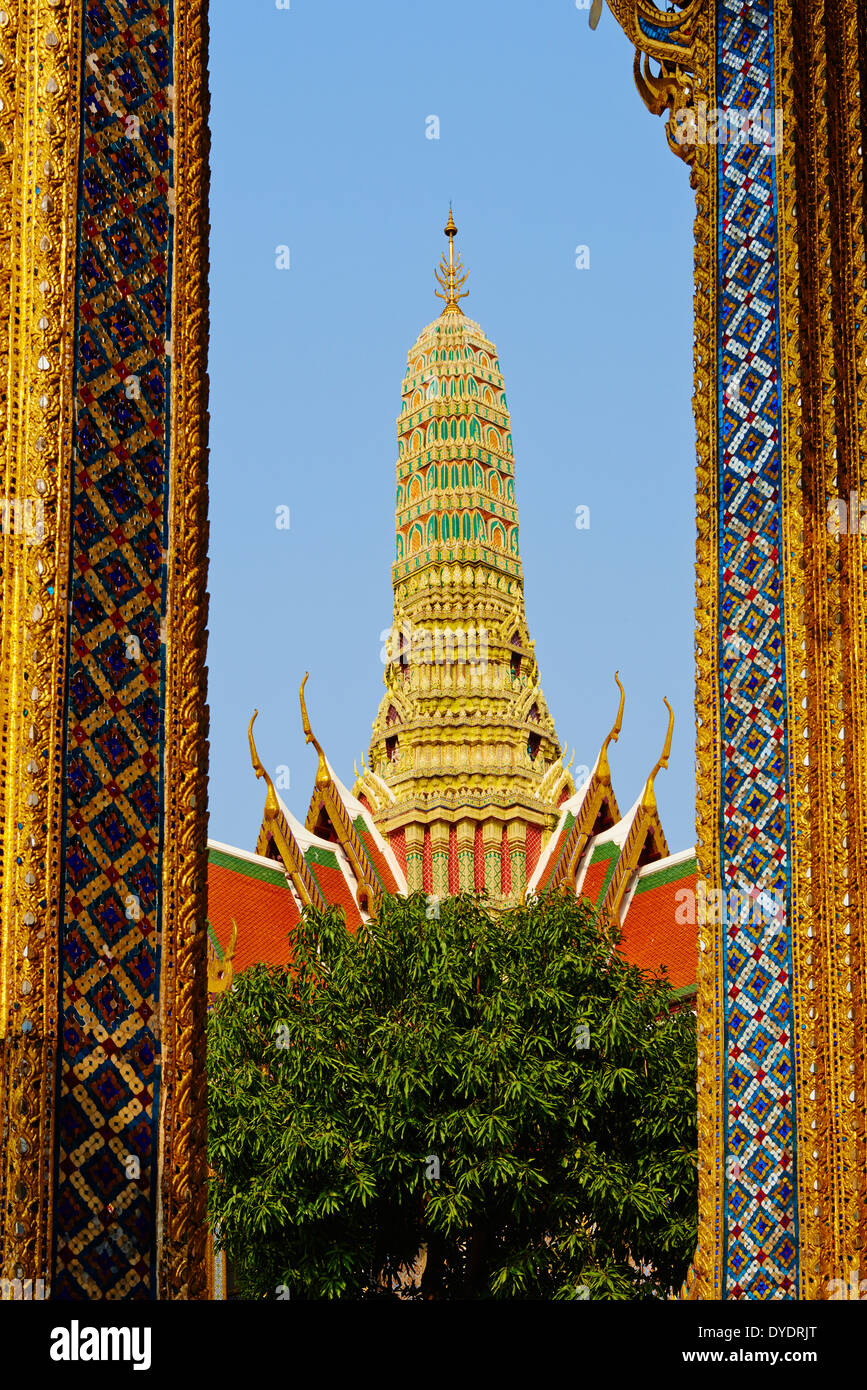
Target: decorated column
[
  {"x": 103, "y": 334},
  {"x": 765, "y": 103}
]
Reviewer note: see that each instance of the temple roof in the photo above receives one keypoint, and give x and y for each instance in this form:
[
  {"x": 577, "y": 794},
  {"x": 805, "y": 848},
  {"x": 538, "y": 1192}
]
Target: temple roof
[
  {"x": 657, "y": 929},
  {"x": 248, "y": 898}
]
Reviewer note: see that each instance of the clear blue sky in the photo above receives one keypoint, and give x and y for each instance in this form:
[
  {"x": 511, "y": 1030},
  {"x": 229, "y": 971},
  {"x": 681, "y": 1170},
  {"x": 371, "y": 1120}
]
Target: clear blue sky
[{"x": 318, "y": 127}]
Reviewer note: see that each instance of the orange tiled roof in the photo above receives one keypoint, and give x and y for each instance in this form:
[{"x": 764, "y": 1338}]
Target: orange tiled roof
[
  {"x": 599, "y": 871},
  {"x": 375, "y": 855},
  {"x": 253, "y": 892},
  {"x": 397, "y": 841},
  {"x": 555, "y": 851},
  {"x": 652, "y": 933},
  {"x": 534, "y": 849},
  {"x": 325, "y": 868}
]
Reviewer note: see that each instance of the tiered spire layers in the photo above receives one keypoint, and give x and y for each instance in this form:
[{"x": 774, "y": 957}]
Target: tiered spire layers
[{"x": 463, "y": 733}]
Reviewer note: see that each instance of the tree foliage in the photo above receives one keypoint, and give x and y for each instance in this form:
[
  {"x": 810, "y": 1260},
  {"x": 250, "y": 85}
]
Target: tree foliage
[{"x": 548, "y": 1079}]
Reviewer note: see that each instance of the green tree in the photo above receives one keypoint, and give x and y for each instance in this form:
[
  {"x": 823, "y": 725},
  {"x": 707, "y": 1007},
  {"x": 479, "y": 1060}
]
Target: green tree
[{"x": 503, "y": 1092}]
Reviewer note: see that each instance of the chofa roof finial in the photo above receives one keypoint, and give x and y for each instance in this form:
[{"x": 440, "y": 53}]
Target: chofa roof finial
[
  {"x": 323, "y": 776},
  {"x": 271, "y": 798},
  {"x": 649, "y": 798},
  {"x": 602, "y": 767}
]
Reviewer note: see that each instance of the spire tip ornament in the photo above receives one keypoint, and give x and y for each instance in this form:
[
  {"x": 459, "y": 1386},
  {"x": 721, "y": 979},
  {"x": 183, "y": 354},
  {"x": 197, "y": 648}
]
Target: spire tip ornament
[{"x": 451, "y": 274}]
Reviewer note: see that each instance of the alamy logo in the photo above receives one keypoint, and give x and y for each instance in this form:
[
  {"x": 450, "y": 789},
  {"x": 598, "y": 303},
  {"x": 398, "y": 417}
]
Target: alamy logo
[
  {"x": 23, "y": 516},
  {"x": 75, "y": 1343},
  {"x": 847, "y": 518},
  {"x": 728, "y": 125},
  {"x": 22, "y": 1290},
  {"x": 709, "y": 906},
  {"x": 415, "y": 646}
]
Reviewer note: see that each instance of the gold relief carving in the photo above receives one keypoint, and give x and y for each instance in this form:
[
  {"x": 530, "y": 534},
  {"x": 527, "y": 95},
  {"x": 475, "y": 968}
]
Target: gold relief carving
[
  {"x": 802, "y": 702},
  {"x": 38, "y": 181},
  {"x": 182, "y": 1266},
  {"x": 670, "y": 38},
  {"x": 9, "y": 233},
  {"x": 221, "y": 969},
  {"x": 822, "y": 278},
  {"x": 852, "y": 350}
]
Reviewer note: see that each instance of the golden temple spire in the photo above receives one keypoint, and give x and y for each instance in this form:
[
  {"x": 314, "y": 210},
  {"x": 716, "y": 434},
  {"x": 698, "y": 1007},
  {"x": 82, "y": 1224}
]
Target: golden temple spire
[
  {"x": 602, "y": 767},
  {"x": 451, "y": 274},
  {"x": 323, "y": 776},
  {"x": 271, "y": 798},
  {"x": 648, "y": 800}
]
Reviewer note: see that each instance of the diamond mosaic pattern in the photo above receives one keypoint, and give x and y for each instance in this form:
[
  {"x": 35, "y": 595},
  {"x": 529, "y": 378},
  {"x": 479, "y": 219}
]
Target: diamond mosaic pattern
[
  {"x": 759, "y": 1121},
  {"x": 109, "y": 1072}
]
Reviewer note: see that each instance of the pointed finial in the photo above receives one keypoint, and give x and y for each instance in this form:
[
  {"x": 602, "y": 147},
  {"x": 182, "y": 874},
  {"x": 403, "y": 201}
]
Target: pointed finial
[
  {"x": 451, "y": 274},
  {"x": 649, "y": 798},
  {"x": 271, "y": 798},
  {"x": 602, "y": 767},
  {"x": 323, "y": 776}
]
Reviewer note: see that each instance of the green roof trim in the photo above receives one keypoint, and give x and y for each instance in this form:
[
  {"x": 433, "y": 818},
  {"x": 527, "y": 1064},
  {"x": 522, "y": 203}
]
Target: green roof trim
[
  {"x": 264, "y": 873},
  {"x": 672, "y": 874},
  {"x": 685, "y": 992},
  {"x": 363, "y": 830},
  {"x": 607, "y": 851},
  {"x": 564, "y": 836},
  {"x": 317, "y": 855},
  {"x": 610, "y": 852},
  {"x": 212, "y": 937}
]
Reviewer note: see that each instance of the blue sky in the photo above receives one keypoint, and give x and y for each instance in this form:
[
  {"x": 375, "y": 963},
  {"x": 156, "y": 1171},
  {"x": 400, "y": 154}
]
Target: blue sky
[{"x": 319, "y": 117}]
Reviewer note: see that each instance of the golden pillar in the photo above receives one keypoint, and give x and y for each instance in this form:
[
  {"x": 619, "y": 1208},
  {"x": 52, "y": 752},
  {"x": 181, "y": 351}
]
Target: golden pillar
[
  {"x": 103, "y": 334},
  {"x": 466, "y": 855},
  {"x": 766, "y": 104},
  {"x": 439, "y": 836},
  {"x": 414, "y": 857}
]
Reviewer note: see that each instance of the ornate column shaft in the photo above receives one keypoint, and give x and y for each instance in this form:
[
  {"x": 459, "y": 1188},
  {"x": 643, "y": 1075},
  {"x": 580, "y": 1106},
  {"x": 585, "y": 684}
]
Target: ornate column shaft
[
  {"x": 414, "y": 856},
  {"x": 103, "y": 333},
  {"x": 492, "y": 839},
  {"x": 439, "y": 834},
  {"x": 766, "y": 101},
  {"x": 517, "y": 838},
  {"x": 466, "y": 850}
]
